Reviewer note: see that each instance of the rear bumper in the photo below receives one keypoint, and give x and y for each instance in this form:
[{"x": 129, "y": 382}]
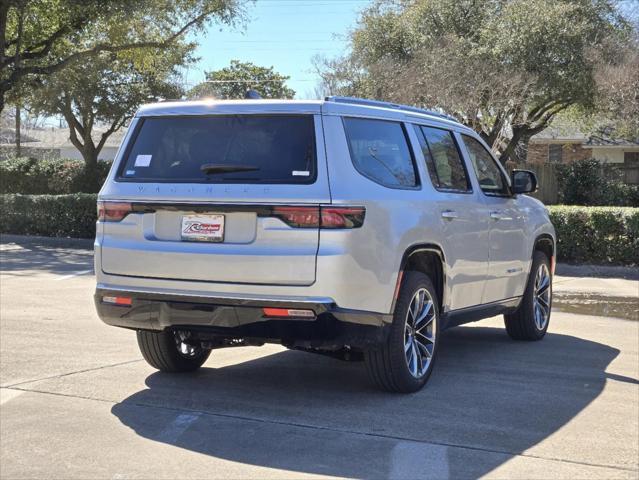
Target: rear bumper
[{"x": 332, "y": 327}]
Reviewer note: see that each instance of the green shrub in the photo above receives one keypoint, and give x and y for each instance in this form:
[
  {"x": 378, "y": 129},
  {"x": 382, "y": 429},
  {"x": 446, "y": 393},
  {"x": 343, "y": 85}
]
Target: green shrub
[
  {"x": 587, "y": 182},
  {"x": 72, "y": 215},
  {"x": 48, "y": 176},
  {"x": 600, "y": 235}
]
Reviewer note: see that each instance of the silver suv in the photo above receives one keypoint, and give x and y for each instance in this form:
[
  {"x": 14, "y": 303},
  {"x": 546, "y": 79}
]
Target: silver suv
[{"x": 347, "y": 227}]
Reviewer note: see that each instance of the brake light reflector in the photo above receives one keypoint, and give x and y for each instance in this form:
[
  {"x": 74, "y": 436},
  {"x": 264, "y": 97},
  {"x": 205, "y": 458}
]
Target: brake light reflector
[
  {"x": 287, "y": 312},
  {"x": 113, "y": 211},
  {"x": 122, "y": 301},
  {"x": 343, "y": 217}
]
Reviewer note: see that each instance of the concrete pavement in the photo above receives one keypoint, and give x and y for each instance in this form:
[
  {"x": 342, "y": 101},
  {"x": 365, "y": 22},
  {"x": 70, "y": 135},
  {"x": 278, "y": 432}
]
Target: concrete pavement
[{"x": 77, "y": 400}]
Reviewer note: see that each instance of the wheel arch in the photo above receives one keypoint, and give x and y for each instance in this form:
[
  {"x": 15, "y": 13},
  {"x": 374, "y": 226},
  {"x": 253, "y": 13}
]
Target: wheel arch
[
  {"x": 429, "y": 259},
  {"x": 546, "y": 243}
]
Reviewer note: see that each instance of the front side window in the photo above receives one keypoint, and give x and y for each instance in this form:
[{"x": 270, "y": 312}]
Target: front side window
[
  {"x": 491, "y": 179},
  {"x": 379, "y": 150},
  {"x": 444, "y": 163},
  {"x": 222, "y": 149}
]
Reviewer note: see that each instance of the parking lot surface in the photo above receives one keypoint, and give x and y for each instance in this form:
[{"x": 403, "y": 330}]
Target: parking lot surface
[{"x": 78, "y": 401}]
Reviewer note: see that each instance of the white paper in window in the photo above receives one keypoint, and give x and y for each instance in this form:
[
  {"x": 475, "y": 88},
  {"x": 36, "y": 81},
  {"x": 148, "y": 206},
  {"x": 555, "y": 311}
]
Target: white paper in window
[{"x": 143, "y": 160}]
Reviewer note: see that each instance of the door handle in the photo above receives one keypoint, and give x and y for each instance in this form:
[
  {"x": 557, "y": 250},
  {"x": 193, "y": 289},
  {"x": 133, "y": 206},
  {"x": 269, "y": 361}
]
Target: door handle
[
  {"x": 499, "y": 216},
  {"x": 449, "y": 214}
]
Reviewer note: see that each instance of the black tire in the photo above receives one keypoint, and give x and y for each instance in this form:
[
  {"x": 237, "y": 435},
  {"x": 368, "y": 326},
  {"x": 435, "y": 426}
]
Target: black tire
[
  {"x": 160, "y": 350},
  {"x": 387, "y": 365},
  {"x": 521, "y": 324}
]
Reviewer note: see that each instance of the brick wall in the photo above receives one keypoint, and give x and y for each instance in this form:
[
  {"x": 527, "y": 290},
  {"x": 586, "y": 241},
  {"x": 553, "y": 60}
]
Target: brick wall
[
  {"x": 574, "y": 151},
  {"x": 538, "y": 152}
]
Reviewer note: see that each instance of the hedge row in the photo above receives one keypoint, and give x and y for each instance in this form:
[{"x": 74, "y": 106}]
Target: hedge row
[
  {"x": 603, "y": 235},
  {"x": 49, "y": 176},
  {"x": 599, "y": 235},
  {"x": 71, "y": 215}
]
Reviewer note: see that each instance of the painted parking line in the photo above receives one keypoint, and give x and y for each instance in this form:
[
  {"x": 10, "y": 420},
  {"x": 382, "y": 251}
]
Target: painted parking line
[
  {"x": 74, "y": 274},
  {"x": 7, "y": 394},
  {"x": 177, "y": 427}
]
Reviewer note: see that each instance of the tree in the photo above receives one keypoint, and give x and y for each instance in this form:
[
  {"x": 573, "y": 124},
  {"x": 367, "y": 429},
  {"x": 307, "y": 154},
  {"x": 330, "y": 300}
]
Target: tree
[
  {"x": 108, "y": 93},
  {"x": 506, "y": 68},
  {"x": 618, "y": 90},
  {"x": 42, "y": 37},
  {"x": 233, "y": 82}
]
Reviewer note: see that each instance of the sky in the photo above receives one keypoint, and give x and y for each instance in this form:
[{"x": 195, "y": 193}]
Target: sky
[{"x": 284, "y": 34}]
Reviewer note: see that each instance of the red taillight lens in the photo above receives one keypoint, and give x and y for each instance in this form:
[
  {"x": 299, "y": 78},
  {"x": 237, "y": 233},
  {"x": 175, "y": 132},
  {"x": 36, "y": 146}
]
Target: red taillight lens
[
  {"x": 343, "y": 217},
  {"x": 323, "y": 217},
  {"x": 113, "y": 211},
  {"x": 300, "y": 217}
]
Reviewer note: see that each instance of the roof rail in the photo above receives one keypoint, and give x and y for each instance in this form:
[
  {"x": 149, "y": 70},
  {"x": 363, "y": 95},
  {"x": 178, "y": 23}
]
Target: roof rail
[{"x": 379, "y": 103}]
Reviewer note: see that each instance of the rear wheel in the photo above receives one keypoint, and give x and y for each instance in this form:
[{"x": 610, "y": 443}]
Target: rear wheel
[
  {"x": 405, "y": 361},
  {"x": 530, "y": 321},
  {"x": 170, "y": 351}
]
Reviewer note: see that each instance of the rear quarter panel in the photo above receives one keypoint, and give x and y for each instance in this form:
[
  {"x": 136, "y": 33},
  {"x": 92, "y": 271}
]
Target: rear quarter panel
[{"x": 366, "y": 261}]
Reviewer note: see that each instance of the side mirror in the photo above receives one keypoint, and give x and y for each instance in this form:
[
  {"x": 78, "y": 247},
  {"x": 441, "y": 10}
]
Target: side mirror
[{"x": 523, "y": 181}]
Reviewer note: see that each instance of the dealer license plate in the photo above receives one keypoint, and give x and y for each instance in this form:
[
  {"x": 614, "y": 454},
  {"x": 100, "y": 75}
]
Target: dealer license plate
[{"x": 203, "y": 228}]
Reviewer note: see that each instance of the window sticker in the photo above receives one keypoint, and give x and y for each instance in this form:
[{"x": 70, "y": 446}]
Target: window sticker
[
  {"x": 129, "y": 172},
  {"x": 143, "y": 160},
  {"x": 301, "y": 173}
]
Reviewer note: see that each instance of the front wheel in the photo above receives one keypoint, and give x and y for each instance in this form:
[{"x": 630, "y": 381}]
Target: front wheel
[
  {"x": 405, "y": 361},
  {"x": 530, "y": 321},
  {"x": 170, "y": 351}
]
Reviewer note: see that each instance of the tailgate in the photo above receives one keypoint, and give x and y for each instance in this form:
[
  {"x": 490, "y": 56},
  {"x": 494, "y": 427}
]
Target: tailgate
[{"x": 257, "y": 247}]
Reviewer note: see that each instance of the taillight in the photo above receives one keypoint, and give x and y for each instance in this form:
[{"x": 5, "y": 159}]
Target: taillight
[
  {"x": 323, "y": 217},
  {"x": 300, "y": 217},
  {"x": 343, "y": 217},
  {"x": 113, "y": 211}
]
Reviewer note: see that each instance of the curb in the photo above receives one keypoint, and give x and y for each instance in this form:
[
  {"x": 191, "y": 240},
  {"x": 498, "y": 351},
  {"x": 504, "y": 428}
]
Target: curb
[{"x": 597, "y": 271}]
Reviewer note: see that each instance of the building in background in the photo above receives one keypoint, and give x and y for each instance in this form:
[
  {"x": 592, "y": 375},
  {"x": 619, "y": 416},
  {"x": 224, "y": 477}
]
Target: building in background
[{"x": 563, "y": 143}]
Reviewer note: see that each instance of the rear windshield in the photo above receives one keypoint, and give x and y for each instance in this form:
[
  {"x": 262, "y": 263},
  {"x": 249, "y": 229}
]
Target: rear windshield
[{"x": 222, "y": 149}]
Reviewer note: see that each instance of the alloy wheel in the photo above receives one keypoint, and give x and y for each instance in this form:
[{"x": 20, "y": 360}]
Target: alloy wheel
[
  {"x": 420, "y": 332},
  {"x": 541, "y": 298}
]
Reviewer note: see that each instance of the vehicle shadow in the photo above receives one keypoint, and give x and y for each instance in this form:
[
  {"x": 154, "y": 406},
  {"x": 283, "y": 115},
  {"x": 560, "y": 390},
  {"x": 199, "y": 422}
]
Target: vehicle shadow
[{"x": 310, "y": 414}]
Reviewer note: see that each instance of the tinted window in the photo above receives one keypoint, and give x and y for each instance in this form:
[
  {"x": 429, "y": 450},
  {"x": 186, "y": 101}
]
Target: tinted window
[
  {"x": 273, "y": 149},
  {"x": 380, "y": 151},
  {"x": 445, "y": 166},
  {"x": 491, "y": 179}
]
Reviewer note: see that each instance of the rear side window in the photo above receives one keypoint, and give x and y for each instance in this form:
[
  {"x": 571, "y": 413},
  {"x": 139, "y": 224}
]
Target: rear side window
[
  {"x": 222, "y": 149},
  {"x": 491, "y": 179},
  {"x": 379, "y": 150},
  {"x": 444, "y": 163}
]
